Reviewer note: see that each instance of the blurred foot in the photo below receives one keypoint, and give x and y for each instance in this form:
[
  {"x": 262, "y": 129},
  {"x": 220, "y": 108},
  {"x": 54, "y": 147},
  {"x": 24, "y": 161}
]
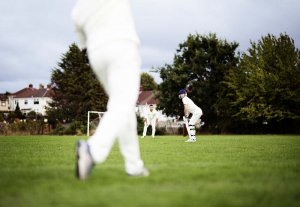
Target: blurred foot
[
  {"x": 143, "y": 173},
  {"x": 84, "y": 161},
  {"x": 191, "y": 140}
]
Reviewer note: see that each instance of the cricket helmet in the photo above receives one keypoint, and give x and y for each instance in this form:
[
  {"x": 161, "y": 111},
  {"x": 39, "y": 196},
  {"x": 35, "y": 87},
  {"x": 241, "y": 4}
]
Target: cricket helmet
[{"x": 182, "y": 91}]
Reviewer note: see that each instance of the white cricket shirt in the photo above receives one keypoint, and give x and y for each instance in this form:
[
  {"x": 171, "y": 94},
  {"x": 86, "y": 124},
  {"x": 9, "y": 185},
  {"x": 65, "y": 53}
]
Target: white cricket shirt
[
  {"x": 99, "y": 22},
  {"x": 193, "y": 108},
  {"x": 152, "y": 115}
]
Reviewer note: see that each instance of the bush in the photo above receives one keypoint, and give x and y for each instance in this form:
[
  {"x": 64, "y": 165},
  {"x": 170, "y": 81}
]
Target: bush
[
  {"x": 74, "y": 128},
  {"x": 21, "y": 128},
  {"x": 1, "y": 117},
  {"x": 58, "y": 130},
  {"x": 3, "y": 128},
  {"x": 160, "y": 131}
]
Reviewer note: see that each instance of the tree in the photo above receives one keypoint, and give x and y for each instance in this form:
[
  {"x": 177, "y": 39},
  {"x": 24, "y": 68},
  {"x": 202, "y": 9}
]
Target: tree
[
  {"x": 200, "y": 65},
  {"x": 147, "y": 82},
  {"x": 2, "y": 117},
  {"x": 76, "y": 88},
  {"x": 32, "y": 115},
  {"x": 17, "y": 113},
  {"x": 267, "y": 84}
]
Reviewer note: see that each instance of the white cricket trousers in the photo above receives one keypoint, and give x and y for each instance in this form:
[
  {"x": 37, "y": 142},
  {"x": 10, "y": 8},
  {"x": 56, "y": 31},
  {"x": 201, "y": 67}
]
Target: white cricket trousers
[
  {"x": 146, "y": 125},
  {"x": 196, "y": 116},
  {"x": 117, "y": 66}
]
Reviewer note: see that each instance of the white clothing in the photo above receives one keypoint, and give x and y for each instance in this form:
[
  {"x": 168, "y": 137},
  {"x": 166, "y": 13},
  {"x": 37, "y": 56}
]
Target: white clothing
[
  {"x": 193, "y": 108},
  {"x": 197, "y": 113},
  {"x": 99, "y": 22},
  {"x": 151, "y": 118},
  {"x": 153, "y": 125},
  {"x": 115, "y": 59},
  {"x": 195, "y": 118}
]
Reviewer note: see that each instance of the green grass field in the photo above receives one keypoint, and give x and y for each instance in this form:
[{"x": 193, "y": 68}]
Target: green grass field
[{"x": 232, "y": 170}]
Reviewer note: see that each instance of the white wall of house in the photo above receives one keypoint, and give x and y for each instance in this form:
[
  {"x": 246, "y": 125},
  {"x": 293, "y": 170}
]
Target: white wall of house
[
  {"x": 36, "y": 104},
  {"x": 4, "y": 105}
]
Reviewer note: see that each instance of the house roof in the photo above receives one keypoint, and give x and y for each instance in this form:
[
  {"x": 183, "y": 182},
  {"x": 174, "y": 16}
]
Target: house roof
[
  {"x": 31, "y": 92},
  {"x": 146, "y": 97}
]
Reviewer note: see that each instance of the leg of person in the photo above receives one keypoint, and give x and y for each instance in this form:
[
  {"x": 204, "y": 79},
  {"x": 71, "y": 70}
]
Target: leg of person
[
  {"x": 145, "y": 130},
  {"x": 186, "y": 123},
  {"x": 129, "y": 148},
  {"x": 85, "y": 158},
  {"x": 98, "y": 146},
  {"x": 192, "y": 128},
  {"x": 105, "y": 135},
  {"x": 84, "y": 161},
  {"x": 127, "y": 73},
  {"x": 192, "y": 132},
  {"x": 123, "y": 76},
  {"x": 114, "y": 82},
  {"x": 153, "y": 129}
]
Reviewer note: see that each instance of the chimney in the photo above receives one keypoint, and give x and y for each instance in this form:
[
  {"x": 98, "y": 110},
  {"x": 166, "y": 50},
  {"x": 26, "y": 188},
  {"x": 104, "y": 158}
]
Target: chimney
[
  {"x": 41, "y": 86},
  {"x": 30, "y": 85}
]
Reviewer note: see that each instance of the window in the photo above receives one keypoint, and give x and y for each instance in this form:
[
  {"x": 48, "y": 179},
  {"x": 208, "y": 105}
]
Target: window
[
  {"x": 26, "y": 102},
  {"x": 36, "y": 101}
]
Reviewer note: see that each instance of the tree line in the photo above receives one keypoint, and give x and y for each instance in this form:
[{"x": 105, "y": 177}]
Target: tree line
[{"x": 256, "y": 91}]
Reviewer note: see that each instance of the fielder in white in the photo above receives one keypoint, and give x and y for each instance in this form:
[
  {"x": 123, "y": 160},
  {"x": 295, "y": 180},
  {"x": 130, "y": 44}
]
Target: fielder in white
[
  {"x": 106, "y": 28},
  {"x": 150, "y": 118},
  {"x": 190, "y": 107}
]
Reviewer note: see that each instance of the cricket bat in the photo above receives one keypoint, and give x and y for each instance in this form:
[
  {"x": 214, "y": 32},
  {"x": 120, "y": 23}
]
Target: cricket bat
[{"x": 186, "y": 122}]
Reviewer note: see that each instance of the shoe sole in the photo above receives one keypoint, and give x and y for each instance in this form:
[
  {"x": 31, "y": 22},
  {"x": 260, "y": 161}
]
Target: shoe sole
[{"x": 144, "y": 173}]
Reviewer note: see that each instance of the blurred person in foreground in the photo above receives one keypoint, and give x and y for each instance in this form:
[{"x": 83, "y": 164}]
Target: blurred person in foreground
[{"x": 106, "y": 29}]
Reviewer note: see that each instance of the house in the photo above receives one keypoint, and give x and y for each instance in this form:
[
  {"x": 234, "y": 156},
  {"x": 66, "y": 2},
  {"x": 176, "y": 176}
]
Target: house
[
  {"x": 4, "y": 103},
  {"x": 31, "y": 99}
]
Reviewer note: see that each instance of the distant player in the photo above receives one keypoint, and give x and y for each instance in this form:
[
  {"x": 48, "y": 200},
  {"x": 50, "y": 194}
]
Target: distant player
[
  {"x": 150, "y": 118},
  {"x": 106, "y": 29},
  {"x": 190, "y": 107}
]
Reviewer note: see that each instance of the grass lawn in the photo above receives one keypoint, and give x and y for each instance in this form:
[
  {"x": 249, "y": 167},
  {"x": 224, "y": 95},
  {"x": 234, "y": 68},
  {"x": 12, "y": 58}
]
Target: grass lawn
[{"x": 231, "y": 170}]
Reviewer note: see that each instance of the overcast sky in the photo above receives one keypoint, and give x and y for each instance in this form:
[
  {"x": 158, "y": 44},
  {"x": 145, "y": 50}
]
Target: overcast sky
[{"x": 35, "y": 33}]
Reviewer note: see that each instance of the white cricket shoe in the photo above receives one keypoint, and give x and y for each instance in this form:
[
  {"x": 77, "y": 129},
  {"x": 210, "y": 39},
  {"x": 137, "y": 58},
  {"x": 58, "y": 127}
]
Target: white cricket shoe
[
  {"x": 143, "y": 173},
  {"x": 84, "y": 161},
  {"x": 191, "y": 140},
  {"x": 142, "y": 137}
]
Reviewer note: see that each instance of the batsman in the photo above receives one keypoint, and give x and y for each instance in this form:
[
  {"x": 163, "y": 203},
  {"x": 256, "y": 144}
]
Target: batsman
[{"x": 196, "y": 111}]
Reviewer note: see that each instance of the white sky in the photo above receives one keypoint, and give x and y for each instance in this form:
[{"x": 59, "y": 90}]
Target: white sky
[{"x": 34, "y": 33}]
